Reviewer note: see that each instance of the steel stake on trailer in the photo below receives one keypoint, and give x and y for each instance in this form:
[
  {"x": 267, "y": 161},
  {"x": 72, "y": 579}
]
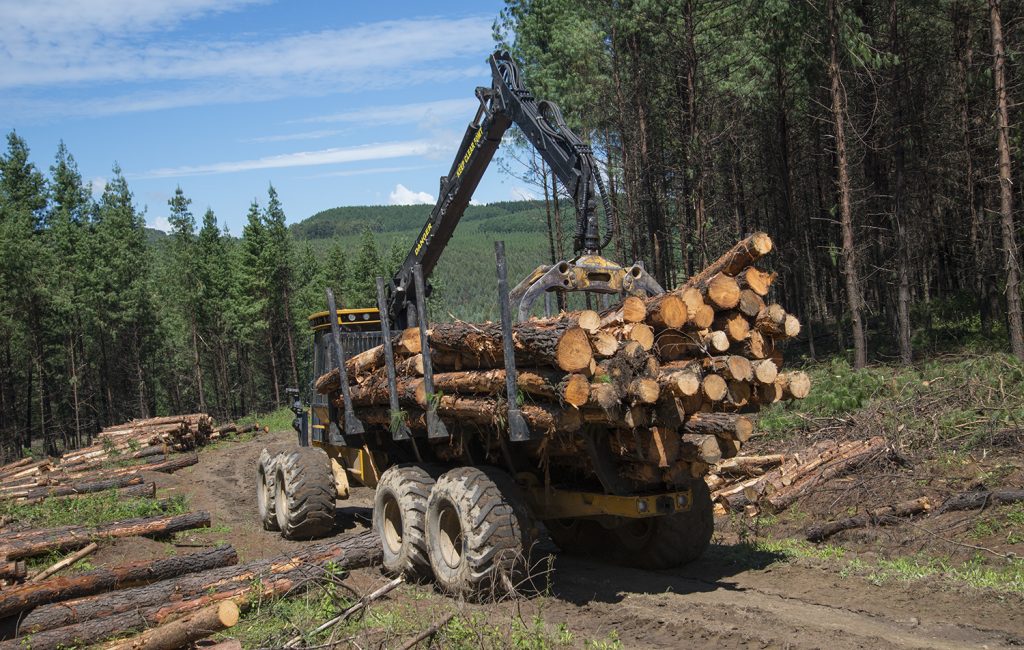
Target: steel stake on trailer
[
  {"x": 435, "y": 427},
  {"x": 517, "y": 427},
  {"x": 401, "y": 432},
  {"x": 353, "y": 426}
]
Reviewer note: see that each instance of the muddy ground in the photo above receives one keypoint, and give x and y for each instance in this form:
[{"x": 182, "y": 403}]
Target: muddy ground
[{"x": 741, "y": 595}]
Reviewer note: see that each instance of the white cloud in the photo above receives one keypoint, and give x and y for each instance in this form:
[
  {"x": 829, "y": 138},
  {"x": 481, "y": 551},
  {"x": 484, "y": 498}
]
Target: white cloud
[
  {"x": 523, "y": 194},
  {"x": 444, "y": 109},
  {"x": 402, "y": 195},
  {"x": 370, "y": 170},
  {"x": 159, "y": 223},
  {"x": 301, "y": 159},
  {"x": 38, "y": 53}
]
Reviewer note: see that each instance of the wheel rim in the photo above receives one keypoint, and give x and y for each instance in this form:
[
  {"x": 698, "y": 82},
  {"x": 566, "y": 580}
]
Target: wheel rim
[
  {"x": 449, "y": 535},
  {"x": 281, "y": 501},
  {"x": 391, "y": 525}
]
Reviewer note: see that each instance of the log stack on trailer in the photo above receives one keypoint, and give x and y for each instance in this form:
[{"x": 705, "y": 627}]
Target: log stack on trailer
[{"x": 669, "y": 383}]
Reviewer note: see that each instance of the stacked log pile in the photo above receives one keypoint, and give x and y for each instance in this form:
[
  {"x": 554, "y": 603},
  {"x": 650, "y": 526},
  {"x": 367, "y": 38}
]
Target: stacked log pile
[{"x": 671, "y": 380}]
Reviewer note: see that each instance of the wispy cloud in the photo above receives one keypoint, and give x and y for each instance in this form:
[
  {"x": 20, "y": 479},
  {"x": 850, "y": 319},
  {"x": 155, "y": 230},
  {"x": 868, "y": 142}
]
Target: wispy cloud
[
  {"x": 402, "y": 113},
  {"x": 371, "y": 170},
  {"x": 289, "y": 137},
  {"x": 332, "y": 156},
  {"x": 402, "y": 195}
]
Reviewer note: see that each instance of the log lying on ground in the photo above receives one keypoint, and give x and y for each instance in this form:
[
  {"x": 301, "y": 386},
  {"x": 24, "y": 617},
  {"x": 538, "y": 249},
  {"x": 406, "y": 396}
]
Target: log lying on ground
[
  {"x": 43, "y": 541},
  {"x": 183, "y": 632},
  {"x": 90, "y": 620},
  {"x": 13, "y": 571},
  {"x": 730, "y": 426},
  {"x": 37, "y": 494},
  {"x": 980, "y": 499},
  {"x": 877, "y": 517},
  {"x": 54, "y": 590}
]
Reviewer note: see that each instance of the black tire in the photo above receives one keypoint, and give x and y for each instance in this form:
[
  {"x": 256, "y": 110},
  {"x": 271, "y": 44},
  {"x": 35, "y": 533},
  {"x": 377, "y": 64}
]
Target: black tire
[
  {"x": 266, "y": 475},
  {"x": 479, "y": 533},
  {"x": 664, "y": 542},
  {"x": 399, "y": 518},
  {"x": 305, "y": 493},
  {"x": 574, "y": 535}
]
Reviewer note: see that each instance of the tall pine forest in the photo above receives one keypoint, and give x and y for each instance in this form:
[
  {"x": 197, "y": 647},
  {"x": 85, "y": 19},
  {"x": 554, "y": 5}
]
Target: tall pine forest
[{"x": 877, "y": 141}]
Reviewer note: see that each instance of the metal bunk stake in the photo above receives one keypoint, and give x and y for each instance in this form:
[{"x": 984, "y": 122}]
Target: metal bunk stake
[
  {"x": 401, "y": 432},
  {"x": 435, "y": 427},
  {"x": 517, "y": 427},
  {"x": 353, "y": 426}
]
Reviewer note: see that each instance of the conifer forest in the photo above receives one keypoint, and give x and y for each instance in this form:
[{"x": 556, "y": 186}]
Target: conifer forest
[{"x": 878, "y": 142}]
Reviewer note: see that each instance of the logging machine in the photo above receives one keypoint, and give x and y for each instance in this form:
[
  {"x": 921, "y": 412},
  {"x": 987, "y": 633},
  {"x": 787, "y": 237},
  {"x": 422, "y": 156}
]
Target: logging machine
[{"x": 587, "y": 507}]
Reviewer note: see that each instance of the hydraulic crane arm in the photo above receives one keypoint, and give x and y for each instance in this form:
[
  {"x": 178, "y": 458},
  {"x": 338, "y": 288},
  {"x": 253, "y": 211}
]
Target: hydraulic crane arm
[{"x": 508, "y": 102}]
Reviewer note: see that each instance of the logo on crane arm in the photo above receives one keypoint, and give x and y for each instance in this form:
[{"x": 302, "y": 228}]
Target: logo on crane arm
[
  {"x": 469, "y": 152},
  {"x": 423, "y": 237}
]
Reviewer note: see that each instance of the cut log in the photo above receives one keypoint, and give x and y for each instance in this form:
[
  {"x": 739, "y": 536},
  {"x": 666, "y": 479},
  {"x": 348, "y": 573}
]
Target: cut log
[
  {"x": 730, "y": 366},
  {"x": 701, "y": 447},
  {"x": 693, "y": 299},
  {"x": 714, "y": 388},
  {"x": 739, "y": 394},
  {"x": 748, "y": 465},
  {"x": 74, "y": 537},
  {"x": 605, "y": 345},
  {"x": 552, "y": 342},
  {"x": 183, "y": 632},
  {"x": 632, "y": 310},
  {"x": 765, "y": 371},
  {"x": 791, "y": 328},
  {"x": 89, "y": 620},
  {"x": 771, "y": 321},
  {"x": 702, "y": 318},
  {"x": 671, "y": 344},
  {"x": 639, "y": 332},
  {"x": 644, "y": 390},
  {"x": 734, "y": 324},
  {"x": 721, "y": 291},
  {"x": 730, "y": 426},
  {"x": 12, "y": 571},
  {"x": 589, "y": 321},
  {"x": 679, "y": 383},
  {"x": 28, "y": 596},
  {"x": 574, "y": 389},
  {"x": 666, "y": 311},
  {"x": 877, "y": 517},
  {"x": 86, "y": 487},
  {"x": 756, "y": 280},
  {"x": 980, "y": 499},
  {"x": 751, "y": 304},
  {"x": 737, "y": 258},
  {"x": 795, "y": 385}
]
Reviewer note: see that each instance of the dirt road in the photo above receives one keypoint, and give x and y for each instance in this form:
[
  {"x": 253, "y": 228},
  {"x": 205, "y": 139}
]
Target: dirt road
[{"x": 736, "y": 597}]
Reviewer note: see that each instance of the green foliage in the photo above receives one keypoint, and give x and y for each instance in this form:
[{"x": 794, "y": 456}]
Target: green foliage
[{"x": 89, "y": 510}]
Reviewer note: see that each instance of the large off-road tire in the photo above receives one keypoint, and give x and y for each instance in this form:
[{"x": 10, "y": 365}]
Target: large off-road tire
[
  {"x": 663, "y": 542},
  {"x": 266, "y": 475},
  {"x": 479, "y": 533},
  {"x": 575, "y": 535},
  {"x": 399, "y": 517},
  {"x": 305, "y": 494}
]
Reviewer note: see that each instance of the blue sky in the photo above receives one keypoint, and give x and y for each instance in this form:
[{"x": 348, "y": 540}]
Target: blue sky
[{"x": 335, "y": 103}]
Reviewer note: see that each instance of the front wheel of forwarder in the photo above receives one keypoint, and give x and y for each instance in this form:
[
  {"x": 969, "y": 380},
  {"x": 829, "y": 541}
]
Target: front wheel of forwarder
[
  {"x": 667, "y": 541},
  {"x": 478, "y": 533},
  {"x": 305, "y": 494},
  {"x": 399, "y": 517}
]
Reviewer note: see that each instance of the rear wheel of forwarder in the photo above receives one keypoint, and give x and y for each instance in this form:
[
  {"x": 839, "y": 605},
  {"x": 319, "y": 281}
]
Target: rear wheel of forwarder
[
  {"x": 399, "y": 517},
  {"x": 667, "y": 541},
  {"x": 304, "y": 493},
  {"x": 266, "y": 490},
  {"x": 479, "y": 532}
]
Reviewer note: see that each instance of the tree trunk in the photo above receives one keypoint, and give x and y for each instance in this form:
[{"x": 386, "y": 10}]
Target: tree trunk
[
  {"x": 853, "y": 294},
  {"x": 1011, "y": 255},
  {"x": 185, "y": 631}
]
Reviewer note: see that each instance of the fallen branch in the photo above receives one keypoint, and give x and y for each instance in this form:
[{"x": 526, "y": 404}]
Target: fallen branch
[
  {"x": 979, "y": 500},
  {"x": 878, "y": 517},
  {"x": 361, "y": 604},
  {"x": 185, "y": 631},
  {"x": 66, "y": 562},
  {"x": 429, "y": 632}
]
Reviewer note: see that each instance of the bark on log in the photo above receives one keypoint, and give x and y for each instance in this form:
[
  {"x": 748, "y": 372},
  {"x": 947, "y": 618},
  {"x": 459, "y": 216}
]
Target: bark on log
[
  {"x": 13, "y": 571},
  {"x": 183, "y": 632},
  {"x": 28, "y": 596},
  {"x": 547, "y": 343},
  {"x": 46, "y": 540},
  {"x": 36, "y": 494},
  {"x": 878, "y": 517},
  {"x": 731, "y": 366},
  {"x": 679, "y": 383},
  {"x": 737, "y": 258},
  {"x": 730, "y": 426},
  {"x": 701, "y": 447},
  {"x": 89, "y": 620},
  {"x": 748, "y": 466},
  {"x": 751, "y": 304},
  {"x": 674, "y": 345}
]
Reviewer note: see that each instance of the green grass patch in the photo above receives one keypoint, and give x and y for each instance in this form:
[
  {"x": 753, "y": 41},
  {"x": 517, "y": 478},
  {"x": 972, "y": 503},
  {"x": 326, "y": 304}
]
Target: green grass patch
[
  {"x": 279, "y": 420},
  {"x": 89, "y": 510},
  {"x": 976, "y": 573}
]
